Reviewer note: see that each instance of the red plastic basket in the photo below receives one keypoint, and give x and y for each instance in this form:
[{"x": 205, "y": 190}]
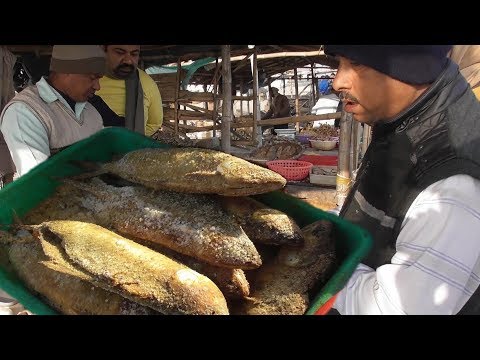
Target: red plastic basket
[{"x": 291, "y": 169}]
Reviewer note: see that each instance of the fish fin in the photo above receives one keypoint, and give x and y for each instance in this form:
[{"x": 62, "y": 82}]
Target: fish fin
[
  {"x": 86, "y": 187},
  {"x": 92, "y": 169},
  {"x": 18, "y": 225}
]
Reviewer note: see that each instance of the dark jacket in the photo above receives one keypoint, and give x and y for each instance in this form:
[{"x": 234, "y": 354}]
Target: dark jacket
[{"x": 436, "y": 137}]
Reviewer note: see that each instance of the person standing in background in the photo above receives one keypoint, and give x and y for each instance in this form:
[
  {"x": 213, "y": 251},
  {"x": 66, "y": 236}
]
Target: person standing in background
[
  {"x": 128, "y": 96},
  {"x": 468, "y": 59},
  {"x": 7, "y": 92},
  {"x": 45, "y": 118},
  {"x": 279, "y": 107}
]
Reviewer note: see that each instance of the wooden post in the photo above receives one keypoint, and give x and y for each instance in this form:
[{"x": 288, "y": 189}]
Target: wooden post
[
  {"x": 227, "y": 98},
  {"x": 215, "y": 91},
  {"x": 297, "y": 99},
  {"x": 343, "y": 172},
  {"x": 256, "y": 132},
  {"x": 242, "y": 88},
  {"x": 366, "y": 138},
  {"x": 314, "y": 98},
  {"x": 354, "y": 147},
  {"x": 205, "y": 104},
  {"x": 177, "y": 92}
]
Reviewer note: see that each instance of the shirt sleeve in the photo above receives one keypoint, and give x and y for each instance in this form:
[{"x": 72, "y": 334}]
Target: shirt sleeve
[
  {"x": 155, "y": 108},
  {"x": 26, "y": 137},
  {"x": 436, "y": 267}
]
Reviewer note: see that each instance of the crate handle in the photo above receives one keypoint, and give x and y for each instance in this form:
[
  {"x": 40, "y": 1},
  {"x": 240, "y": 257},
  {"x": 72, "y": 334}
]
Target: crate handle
[{"x": 325, "y": 308}]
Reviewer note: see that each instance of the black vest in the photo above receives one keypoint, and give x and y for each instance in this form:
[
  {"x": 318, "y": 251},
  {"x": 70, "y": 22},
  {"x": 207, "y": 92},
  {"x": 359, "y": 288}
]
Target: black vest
[{"x": 435, "y": 138}]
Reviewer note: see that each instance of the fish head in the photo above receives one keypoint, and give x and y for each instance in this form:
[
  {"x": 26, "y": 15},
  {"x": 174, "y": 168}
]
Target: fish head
[{"x": 243, "y": 178}]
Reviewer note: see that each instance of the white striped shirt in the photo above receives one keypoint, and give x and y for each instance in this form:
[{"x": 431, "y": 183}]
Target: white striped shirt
[{"x": 436, "y": 267}]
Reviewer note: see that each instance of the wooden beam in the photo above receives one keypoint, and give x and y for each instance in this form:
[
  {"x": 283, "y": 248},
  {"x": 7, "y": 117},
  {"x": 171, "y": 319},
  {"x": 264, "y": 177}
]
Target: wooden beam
[
  {"x": 227, "y": 98},
  {"x": 283, "y": 54},
  {"x": 177, "y": 91},
  {"x": 300, "y": 118},
  {"x": 343, "y": 172},
  {"x": 215, "y": 90},
  {"x": 297, "y": 100},
  {"x": 256, "y": 136}
]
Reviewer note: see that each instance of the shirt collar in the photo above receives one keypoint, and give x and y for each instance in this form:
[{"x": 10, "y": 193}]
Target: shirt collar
[{"x": 49, "y": 95}]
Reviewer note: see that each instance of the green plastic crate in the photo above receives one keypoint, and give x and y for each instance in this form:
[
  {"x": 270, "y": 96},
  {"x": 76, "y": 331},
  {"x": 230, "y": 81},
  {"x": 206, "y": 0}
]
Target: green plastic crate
[{"x": 17, "y": 198}]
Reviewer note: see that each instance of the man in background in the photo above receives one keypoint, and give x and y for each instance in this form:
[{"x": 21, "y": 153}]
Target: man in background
[
  {"x": 7, "y": 92},
  {"x": 279, "y": 107},
  {"x": 54, "y": 113},
  {"x": 468, "y": 59},
  {"x": 128, "y": 96}
]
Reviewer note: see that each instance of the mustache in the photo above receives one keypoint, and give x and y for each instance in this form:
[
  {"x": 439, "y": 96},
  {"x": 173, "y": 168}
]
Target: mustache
[
  {"x": 347, "y": 97},
  {"x": 125, "y": 67}
]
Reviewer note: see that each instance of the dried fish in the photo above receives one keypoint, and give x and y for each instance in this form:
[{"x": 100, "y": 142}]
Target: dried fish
[
  {"x": 194, "y": 170},
  {"x": 261, "y": 223},
  {"x": 191, "y": 224},
  {"x": 134, "y": 271},
  {"x": 281, "y": 287},
  {"x": 232, "y": 282},
  {"x": 45, "y": 269}
]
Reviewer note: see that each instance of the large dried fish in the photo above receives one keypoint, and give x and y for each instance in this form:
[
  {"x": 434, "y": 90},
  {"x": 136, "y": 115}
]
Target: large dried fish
[
  {"x": 45, "y": 269},
  {"x": 194, "y": 225},
  {"x": 134, "y": 271},
  {"x": 65, "y": 204},
  {"x": 194, "y": 170},
  {"x": 232, "y": 282},
  {"x": 261, "y": 223},
  {"x": 281, "y": 287}
]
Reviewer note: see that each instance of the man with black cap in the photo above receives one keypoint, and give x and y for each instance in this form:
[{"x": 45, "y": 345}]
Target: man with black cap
[
  {"x": 418, "y": 188},
  {"x": 54, "y": 113}
]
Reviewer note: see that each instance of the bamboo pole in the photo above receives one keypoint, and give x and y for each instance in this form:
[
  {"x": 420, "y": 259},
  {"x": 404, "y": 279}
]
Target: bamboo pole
[
  {"x": 354, "y": 147},
  {"x": 366, "y": 138},
  {"x": 343, "y": 172},
  {"x": 242, "y": 63},
  {"x": 242, "y": 88},
  {"x": 215, "y": 89},
  {"x": 177, "y": 90},
  {"x": 256, "y": 134},
  {"x": 205, "y": 104},
  {"x": 297, "y": 99},
  {"x": 301, "y": 118},
  {"x": 204, "y": 54},
  {"x": 314, "y": 98},
  {"x": 227, "y": 98}
]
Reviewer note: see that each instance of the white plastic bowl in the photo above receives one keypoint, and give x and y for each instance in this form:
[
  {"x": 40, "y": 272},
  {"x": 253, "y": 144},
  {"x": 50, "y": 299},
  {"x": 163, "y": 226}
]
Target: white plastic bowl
[{"x": 323, "y": 144}]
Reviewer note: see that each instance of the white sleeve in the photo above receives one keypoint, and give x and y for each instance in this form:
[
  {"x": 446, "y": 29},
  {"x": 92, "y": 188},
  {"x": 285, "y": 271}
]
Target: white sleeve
[
  {"x": 436, "y": 266},
  {"x": 25, "y": 136}
]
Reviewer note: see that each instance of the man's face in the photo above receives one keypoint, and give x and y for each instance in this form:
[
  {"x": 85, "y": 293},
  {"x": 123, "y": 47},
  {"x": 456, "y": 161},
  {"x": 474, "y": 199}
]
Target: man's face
[
  {"x": 369, "y": 95},
  {"x": 81, "y": 87},
  {"x": 122, "y": 60}
]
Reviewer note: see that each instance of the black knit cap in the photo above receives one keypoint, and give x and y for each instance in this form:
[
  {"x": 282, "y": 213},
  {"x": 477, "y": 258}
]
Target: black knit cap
[{"x": 412, "y": 64}]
